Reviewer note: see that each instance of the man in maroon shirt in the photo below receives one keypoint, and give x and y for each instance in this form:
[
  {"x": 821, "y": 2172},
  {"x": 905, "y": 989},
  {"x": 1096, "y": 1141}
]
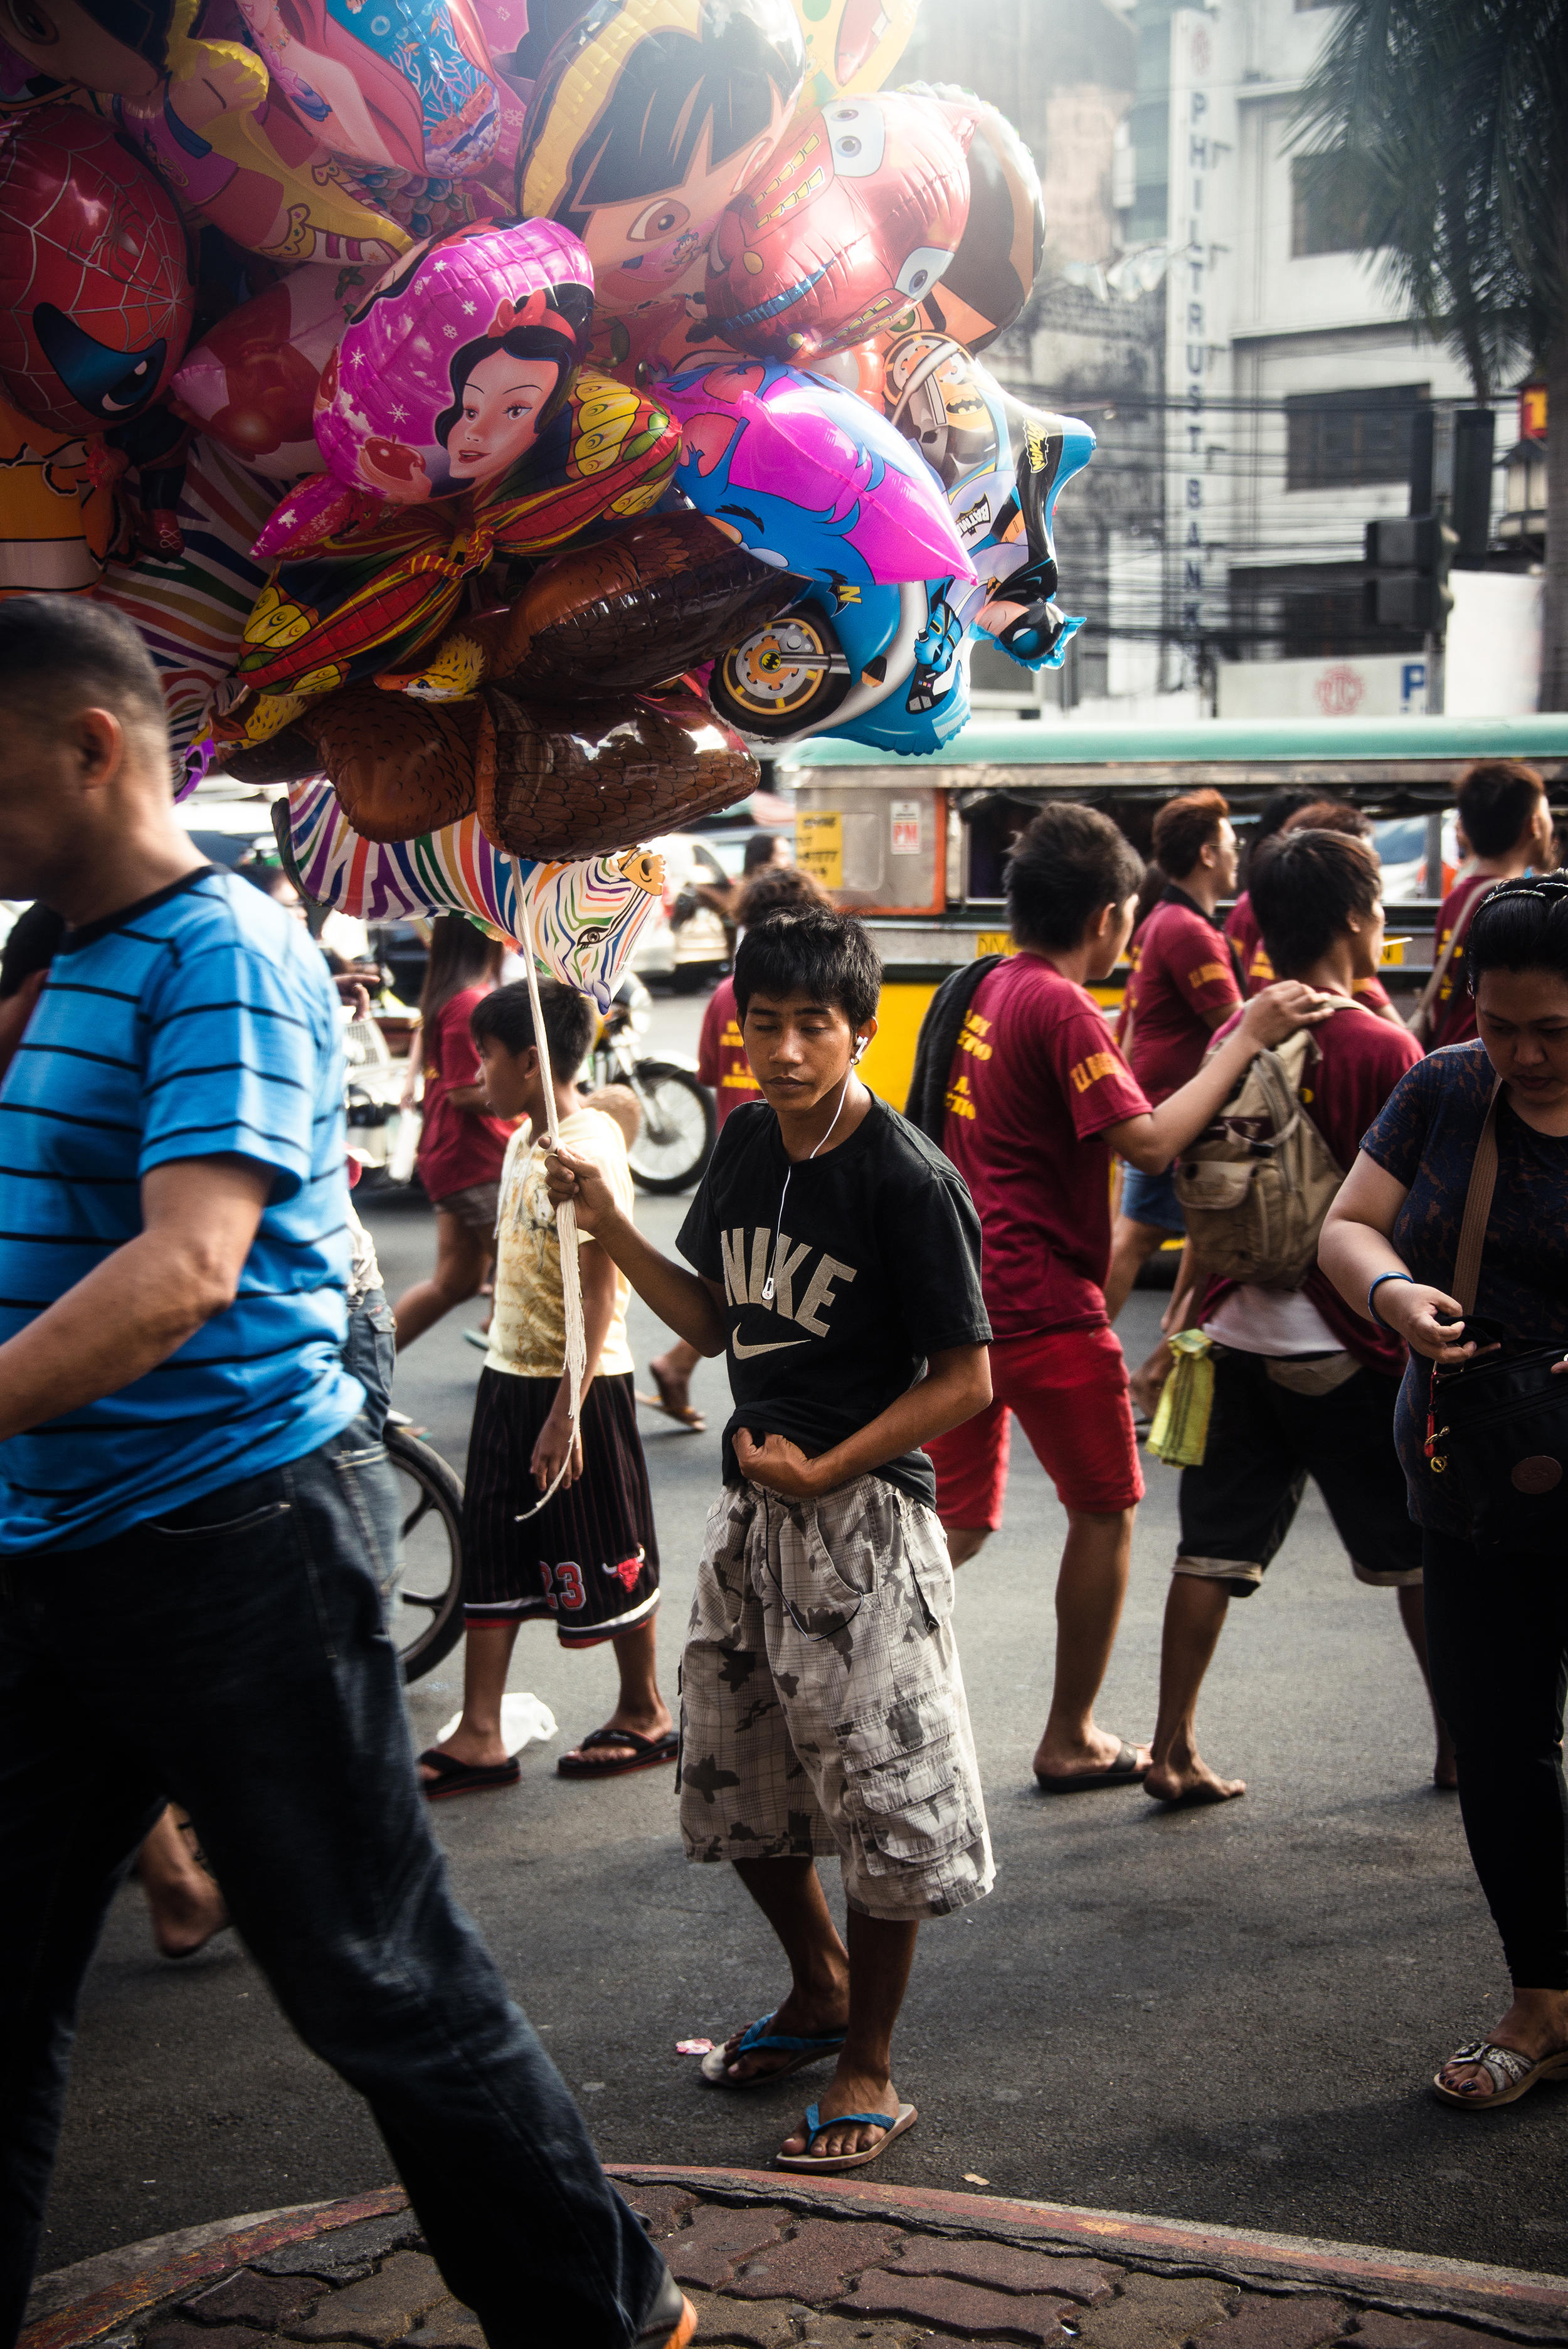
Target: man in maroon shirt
[
  {"x": 1246, "y": 931},
  {"x": 1506, "y": 819},
  {"x": 1038, "y": 1098},
  {"x": 1303, "y": 1386},
  {"x": 1184, "y": 985}
]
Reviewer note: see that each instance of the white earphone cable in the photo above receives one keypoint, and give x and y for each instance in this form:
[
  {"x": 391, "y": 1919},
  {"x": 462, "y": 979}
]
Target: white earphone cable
[{"x": 784, "y": 1194}]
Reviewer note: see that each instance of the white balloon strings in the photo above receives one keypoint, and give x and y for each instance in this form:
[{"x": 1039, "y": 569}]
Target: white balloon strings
[{"x": 565, "y": 1215}]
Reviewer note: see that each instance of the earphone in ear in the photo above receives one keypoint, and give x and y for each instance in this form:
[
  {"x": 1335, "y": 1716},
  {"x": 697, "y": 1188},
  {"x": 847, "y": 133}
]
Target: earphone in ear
[{"x": 859, "y": 1047}]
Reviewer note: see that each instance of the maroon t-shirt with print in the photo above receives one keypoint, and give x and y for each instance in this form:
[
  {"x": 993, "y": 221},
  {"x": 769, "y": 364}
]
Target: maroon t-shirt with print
[
  {"x": 1035, "y": 1082},
  {"x": 1182, "y": 974}
]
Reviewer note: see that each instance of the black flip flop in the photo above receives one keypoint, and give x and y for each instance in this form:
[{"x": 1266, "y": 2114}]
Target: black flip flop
[
  {"x": 454, "y": 1777},
  {"x": 1127, "y": 1770},
  {"x": 647, "y": 1754}
]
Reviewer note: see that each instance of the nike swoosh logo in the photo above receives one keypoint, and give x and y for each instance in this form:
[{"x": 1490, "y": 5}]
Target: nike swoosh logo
[{"x": 743, "y": 1353}]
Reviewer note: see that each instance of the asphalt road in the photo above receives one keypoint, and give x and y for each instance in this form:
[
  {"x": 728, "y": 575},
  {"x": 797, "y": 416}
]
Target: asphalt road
[{"x": 1223, "y": 2015}]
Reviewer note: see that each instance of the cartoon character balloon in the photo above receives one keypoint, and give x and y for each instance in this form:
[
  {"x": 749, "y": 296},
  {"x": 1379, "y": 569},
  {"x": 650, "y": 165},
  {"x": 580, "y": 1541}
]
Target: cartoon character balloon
[
  {"x": 646, "y": 118},
  {"x": 852, "y": 46},
  {"x": 404, "y": 84},
  {"x": 202, "y": 114},
  {"x": 1003, "y": 466},
  {"x": 587, "y": 915},
  {"x": 445, "y": 376},
  {"x": 251, "y": 382},
  {"x": 97, "y": 285},
  {"x": 990, "y": 276},
  {"x": 810, "y": 479},
  {"x": 853, "y": 222}
]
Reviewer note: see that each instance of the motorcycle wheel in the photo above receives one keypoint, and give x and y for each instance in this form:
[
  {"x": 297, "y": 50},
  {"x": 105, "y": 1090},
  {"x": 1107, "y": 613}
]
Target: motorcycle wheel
[
  {"x": 774, "y": 682},
  {"x": 679, "y": 1126}
]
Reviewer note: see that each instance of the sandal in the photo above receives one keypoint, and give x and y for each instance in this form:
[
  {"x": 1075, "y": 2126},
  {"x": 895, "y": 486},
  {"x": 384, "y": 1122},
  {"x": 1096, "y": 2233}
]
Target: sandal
[
  {"x": 1127, "y": 1770},
  {"x": 759, "y": 2038},
  {"x": 831, "y": 2165},
  {"x": 647, "y": 1753},
  {"x": 672, "y": 2320},
  {"x": 685, "y": 1415},
  {"x": 454, "y": 1777},
  {"x": 1511, "y": 2073}
]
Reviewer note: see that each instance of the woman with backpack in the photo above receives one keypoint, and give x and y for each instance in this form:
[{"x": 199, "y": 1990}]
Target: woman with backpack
[
  {"x": 1457, "y": 1207},
  {"x": 1302, "y": 1388}
]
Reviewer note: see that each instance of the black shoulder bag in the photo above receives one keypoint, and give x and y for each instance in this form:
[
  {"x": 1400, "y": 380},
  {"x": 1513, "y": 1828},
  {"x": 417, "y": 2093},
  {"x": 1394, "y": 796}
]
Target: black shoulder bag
[{"x": 1497, "y": 1428}]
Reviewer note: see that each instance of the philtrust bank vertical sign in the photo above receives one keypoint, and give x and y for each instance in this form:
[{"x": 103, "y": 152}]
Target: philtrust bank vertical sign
[{"x": 1203, "y": 236}]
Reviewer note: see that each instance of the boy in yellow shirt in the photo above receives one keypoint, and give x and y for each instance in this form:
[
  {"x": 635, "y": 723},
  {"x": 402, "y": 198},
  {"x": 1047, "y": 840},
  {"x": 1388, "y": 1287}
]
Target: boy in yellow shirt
[{"x": 589, "y": 1558}]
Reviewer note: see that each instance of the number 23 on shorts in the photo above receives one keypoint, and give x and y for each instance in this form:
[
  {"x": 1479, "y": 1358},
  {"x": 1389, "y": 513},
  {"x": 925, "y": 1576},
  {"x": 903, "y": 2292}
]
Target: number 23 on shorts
[{"x": 568, "y": 1591}]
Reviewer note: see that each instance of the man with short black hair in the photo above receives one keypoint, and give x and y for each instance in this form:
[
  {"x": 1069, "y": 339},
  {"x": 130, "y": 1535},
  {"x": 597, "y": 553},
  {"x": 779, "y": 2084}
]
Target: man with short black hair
[
  {"x": 1504, "y": 815},
  {"x": 1303, "y": 1386},
  {"x": 189, "y": 1493},
  {"x": 1182, "y": 984},
  {"x": 1039, "y": 1096}
]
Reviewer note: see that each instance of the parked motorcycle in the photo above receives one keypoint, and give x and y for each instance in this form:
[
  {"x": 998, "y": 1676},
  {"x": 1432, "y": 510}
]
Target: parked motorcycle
[{"x": 679, "y": 1122}]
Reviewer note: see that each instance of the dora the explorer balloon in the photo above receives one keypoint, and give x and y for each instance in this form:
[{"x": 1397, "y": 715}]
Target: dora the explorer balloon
[{"x": 647, "y": 118}]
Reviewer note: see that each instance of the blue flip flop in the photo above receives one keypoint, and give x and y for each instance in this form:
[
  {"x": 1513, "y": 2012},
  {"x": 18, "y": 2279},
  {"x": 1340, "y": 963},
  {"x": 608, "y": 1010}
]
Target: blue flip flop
[
  {"x": 829, "y": 2165},
  {"x": 758, "y": 2039}
]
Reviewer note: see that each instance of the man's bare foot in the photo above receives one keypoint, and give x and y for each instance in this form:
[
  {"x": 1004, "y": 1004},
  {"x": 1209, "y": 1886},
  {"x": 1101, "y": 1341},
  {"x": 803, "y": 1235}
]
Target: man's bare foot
[
  {"x": 184, "y": 1903},
  {"x": 820, "y": 2015},
  {"x": 1536, "y": 2024},
  {"x": 847, "y": 2092},
  {"x": 1446, "y": 1768},
  {"x": 1055, "y": 1758},
  {"x": 1189, "y": 1780}
]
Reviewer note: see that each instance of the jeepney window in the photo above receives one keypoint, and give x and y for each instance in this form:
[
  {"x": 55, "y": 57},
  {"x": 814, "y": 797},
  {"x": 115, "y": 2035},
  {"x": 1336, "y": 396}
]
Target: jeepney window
[{"x": 992, "y": 826}]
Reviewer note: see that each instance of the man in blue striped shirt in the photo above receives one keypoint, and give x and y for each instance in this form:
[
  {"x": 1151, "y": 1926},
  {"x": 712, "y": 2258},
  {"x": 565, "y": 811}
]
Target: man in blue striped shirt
[{"x": 189, "y": 1592}]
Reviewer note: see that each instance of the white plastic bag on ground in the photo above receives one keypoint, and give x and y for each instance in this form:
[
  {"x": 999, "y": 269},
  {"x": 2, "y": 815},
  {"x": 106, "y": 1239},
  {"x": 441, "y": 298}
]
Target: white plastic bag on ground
[{"x": 524, "y": 1721}]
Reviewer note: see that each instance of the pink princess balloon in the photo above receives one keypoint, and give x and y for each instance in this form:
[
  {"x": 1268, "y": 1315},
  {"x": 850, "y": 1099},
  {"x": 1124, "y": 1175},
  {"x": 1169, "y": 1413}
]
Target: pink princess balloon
[{"x": 447, "y": 374}]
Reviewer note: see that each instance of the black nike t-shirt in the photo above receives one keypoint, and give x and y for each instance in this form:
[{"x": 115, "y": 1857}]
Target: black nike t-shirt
[{"x": 875, "y": 1265}]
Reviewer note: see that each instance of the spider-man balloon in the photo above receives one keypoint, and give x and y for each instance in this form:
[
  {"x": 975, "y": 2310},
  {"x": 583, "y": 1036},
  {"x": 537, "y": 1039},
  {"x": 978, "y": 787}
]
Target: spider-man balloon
[{"x": 96, "y": 292}]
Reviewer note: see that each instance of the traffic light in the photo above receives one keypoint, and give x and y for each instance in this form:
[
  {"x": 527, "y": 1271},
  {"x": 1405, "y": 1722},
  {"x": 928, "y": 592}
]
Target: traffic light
[{"x": 1406, "y": 585}]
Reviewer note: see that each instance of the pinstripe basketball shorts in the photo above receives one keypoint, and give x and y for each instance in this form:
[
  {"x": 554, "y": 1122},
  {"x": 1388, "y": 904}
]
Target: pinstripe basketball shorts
[
  {"x": 822, "y": 1706},
  {"x": 590, "y": 1559}
]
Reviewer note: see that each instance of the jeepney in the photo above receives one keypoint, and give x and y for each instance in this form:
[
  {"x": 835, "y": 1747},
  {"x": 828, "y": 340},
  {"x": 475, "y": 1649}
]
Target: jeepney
[{"x": 919, "y": 846}]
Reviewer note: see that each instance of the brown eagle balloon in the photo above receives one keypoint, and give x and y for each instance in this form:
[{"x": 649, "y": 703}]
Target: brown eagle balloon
[
  {"x": 664, "y": 595},
  {"x": 565, "y": 782}
]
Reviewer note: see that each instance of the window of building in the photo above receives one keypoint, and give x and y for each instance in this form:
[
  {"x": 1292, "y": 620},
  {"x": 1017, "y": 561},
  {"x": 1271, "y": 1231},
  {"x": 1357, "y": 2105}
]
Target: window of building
[
  {"x": 1344, "y": 440},
  {"x": 1330, "y": 204}
]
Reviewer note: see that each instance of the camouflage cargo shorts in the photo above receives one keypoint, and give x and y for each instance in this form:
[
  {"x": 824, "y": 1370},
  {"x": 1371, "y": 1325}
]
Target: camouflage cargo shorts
[{"x": 822, "y": 1706}]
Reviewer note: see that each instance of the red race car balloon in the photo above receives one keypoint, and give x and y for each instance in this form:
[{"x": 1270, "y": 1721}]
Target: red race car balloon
[
  {"x": 848, "y": 225},
  {"x": 97, "y": 290}
]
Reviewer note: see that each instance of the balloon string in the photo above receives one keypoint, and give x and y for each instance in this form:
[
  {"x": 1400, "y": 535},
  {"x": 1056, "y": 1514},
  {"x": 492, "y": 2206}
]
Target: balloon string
[{"x": 565, "y": 1215}]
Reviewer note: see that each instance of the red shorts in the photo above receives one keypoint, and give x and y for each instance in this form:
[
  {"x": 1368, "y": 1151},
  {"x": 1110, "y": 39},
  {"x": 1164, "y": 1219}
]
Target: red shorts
[{"x": 1068, "y": 1389}]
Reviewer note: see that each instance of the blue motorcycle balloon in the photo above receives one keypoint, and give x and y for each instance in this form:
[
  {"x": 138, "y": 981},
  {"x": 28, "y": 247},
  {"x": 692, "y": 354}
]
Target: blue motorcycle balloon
[{"x": 888, "y": 664}]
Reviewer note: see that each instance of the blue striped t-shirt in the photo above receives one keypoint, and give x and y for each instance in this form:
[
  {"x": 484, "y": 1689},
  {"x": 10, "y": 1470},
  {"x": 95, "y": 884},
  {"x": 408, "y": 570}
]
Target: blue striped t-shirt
[{"x": 196, "y": 1023}]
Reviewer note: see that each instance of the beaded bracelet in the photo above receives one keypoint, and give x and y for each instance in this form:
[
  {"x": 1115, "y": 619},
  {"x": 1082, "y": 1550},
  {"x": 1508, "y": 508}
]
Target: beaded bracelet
[{"x": 1372, "y": 1292}]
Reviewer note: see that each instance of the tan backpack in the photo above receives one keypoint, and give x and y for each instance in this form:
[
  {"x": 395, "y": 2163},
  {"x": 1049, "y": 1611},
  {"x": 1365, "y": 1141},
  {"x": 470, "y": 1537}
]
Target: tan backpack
[{"x": 1256, "y": 1184}]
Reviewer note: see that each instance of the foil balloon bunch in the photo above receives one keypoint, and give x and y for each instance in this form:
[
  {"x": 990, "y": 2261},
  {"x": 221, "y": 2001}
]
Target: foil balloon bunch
[{"x": 504, "y": 417}]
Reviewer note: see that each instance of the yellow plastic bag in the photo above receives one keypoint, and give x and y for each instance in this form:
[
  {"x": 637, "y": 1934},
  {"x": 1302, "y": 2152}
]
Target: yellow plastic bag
[{"x": 1180, "y": 1434}]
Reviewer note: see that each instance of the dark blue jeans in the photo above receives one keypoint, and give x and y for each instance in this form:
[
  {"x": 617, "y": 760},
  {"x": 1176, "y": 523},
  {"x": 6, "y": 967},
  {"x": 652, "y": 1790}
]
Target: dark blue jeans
[{"x": 232, "y": 1657}]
